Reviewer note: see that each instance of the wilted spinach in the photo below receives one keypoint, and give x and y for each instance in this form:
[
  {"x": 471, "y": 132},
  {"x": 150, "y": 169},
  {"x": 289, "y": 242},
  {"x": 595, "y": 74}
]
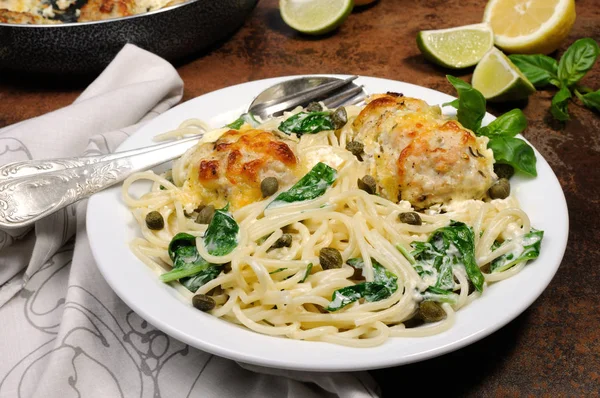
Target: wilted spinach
[
  {"x": 244, "y": 118},
  {"x": 529, "y": 249},
  {"x": 311, "y": 186},
  {"x": 446, "y": 248},
  {"x": 221, "y": 236},
  {"x": 383, "y": 286},
  {"x": 307, "y": 123}
]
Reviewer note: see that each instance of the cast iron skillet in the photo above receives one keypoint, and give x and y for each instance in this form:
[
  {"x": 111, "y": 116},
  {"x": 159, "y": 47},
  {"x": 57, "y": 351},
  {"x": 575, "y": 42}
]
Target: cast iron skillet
[{"x": 87, "y": 47}]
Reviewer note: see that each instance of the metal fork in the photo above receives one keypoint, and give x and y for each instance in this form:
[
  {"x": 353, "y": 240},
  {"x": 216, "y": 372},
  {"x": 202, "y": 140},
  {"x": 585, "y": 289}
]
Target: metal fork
[{"x": 31, "y": 190}]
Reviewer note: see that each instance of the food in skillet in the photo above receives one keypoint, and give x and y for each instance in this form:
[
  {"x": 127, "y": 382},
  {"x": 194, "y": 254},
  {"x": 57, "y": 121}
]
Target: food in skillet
[
  {"x": 347, "y": 226},
  {"x": 59, "y": 11}
]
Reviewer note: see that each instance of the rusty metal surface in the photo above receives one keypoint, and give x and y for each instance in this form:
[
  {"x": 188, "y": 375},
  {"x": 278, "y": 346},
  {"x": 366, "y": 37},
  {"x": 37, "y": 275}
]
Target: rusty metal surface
[{"x": 553, "y": 349}]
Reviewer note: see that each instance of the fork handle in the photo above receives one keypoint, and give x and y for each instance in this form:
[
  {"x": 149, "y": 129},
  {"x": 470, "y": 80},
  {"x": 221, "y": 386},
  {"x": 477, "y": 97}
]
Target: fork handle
[{"x": 31, "y": 190}]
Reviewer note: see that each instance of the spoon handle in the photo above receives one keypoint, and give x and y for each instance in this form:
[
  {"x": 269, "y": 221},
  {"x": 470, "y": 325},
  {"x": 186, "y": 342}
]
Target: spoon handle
[{"x": 31, "y": 190}]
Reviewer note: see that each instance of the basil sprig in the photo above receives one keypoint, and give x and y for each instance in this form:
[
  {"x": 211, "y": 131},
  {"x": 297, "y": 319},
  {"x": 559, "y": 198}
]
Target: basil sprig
[
  {"x": 501, "y": 132},
  {"x": 565, "y": 74}
]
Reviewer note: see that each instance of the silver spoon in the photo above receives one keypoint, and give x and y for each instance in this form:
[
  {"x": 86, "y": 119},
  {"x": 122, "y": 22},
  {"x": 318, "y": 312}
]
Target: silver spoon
[{"x": 31, "y": 190}]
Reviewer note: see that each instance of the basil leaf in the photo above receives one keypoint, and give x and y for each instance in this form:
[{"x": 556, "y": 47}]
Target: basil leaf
[
  {"x": 244, "y": 118},
  {"x": 515, "y": 152},
  {"x": 311, "y": 186},
  {"x": 307, "y": 273},
  {"x": 471, "y": 104},
  {"x": 221, "y": 236},
  {"x": 540, "y": 70},
  {"x": 446, "y": 248},
  {"x": 560, "y": 102},
  {"x": 507, "y": 125},
  {"x": 528, "y": 249},
  {"x": 577, "y": 61},
  {"x": 307, "y": 123},
  {"x": 383, "y": 286},
  {"x": 453, "y": 104},
  {"x": 591, "y": 100},
  {"x": 188, "y": 267}
]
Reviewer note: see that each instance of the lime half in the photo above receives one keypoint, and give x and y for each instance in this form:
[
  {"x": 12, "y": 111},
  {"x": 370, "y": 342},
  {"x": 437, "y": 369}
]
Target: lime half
[
  {"x": 498, "y": 79},
  {"x": 315, "y": 17},
  {"x": 456, "y": 48}
]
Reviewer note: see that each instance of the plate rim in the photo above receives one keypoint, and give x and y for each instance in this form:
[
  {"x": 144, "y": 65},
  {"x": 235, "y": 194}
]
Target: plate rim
[{"x": 224, "y": 351}]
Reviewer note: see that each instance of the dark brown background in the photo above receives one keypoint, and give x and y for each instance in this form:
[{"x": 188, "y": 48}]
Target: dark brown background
[{"x": 553, "y": 348}]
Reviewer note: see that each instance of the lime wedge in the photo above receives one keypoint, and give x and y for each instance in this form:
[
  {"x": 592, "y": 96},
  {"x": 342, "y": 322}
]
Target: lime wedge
[
  {"x": 498, "y": 79},
  {"x": 315, "y": 17},
  {"x": 456, "y": 48}
]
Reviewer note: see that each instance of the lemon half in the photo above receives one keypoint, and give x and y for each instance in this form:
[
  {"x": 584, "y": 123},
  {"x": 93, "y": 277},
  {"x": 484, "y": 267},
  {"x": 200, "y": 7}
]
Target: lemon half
[{"x": 530, "y": 26}]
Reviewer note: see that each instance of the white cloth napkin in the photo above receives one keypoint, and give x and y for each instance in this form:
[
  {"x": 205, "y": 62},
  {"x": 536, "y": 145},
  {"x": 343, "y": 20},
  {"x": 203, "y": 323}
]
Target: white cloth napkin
[{"x": 63, "y": 331}]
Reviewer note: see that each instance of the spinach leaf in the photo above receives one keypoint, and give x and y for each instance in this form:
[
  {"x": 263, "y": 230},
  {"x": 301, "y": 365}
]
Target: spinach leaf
[
  {"x": 277, "y": 270},
  {"x": 577, "y": 61},
  {"x": 244, "y": 118},
  {"x": 307, "y": 123},
  {"x": 383, "y": 286},
  {"x": 507, "y": 125},
  {"x": 540, "y": 70},
  {"x": 559, "y": 105},
  {"x": 445, "y": 249},
  {"x": 311, "y": 186},
  {"x": 529, "y": 249},
  {"x": 193, "y": 283},
  {"x": 515, "y": 152},
  {"x": 591, "y": 100},
  {"x": 188, "y": 267},
  {"x": 439, "y": 295},
  {"x": 307, "y": 273},
  {"x": 471, "y": 104},
  {"x": 221, "y": 236}
]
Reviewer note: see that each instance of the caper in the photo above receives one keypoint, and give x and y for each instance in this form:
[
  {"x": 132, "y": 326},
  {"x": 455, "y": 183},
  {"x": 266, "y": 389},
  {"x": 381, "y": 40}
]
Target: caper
[
  {"x": 203, "y": 302},
  {"x": 314, "y": 107},
  {"x": 206, "y": 215},
  {"x": 339, "y": 118},
  {"x": 269, "y": 186},
  {"x": 155, "y": 220},
  {"x": 500, "y": 190},
  {"x": 367, "y": 184},
  {"x": 356, "y": 147},
  {"x": 430, "y": 311},
  {"x": 330, "y": 258},
  {"x": 504, "y": 170},
  {"x": 410, "y": 217},
  {"x": 284, "y": 241}
]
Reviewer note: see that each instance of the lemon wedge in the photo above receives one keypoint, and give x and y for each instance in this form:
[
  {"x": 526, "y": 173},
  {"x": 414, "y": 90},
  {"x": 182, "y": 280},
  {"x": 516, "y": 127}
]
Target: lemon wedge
[
  {"x": 498, "y": 79},
  {"x": 530, "y": 26}
]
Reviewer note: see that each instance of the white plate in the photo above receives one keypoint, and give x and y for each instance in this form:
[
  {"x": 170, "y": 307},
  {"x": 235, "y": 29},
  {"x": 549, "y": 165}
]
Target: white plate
[{"x": 110, "y": 227}]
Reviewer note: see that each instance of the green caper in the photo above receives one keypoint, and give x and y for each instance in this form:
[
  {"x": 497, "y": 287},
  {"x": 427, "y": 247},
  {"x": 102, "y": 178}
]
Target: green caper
[
  {"x": 314, "y": 107},
  {"x": 203, "y": 302},
  {"x": 330, "y": 258},
  {"x": 500, "y": 190},
  {"x": 430, "y": 311},
  {"x": 269, "y": 186},
  {"x": 367, "y": 184},
  {"x": 356, "y": 147},
  {"x": 284, "y": 241},
  {"x": 504, "y": 170},
  {"x": 155, "y": 221},
  {"x": 339, "y": 118},
  {"x": 206, "y": 215},
  {"x": 410, "y": 217}
]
